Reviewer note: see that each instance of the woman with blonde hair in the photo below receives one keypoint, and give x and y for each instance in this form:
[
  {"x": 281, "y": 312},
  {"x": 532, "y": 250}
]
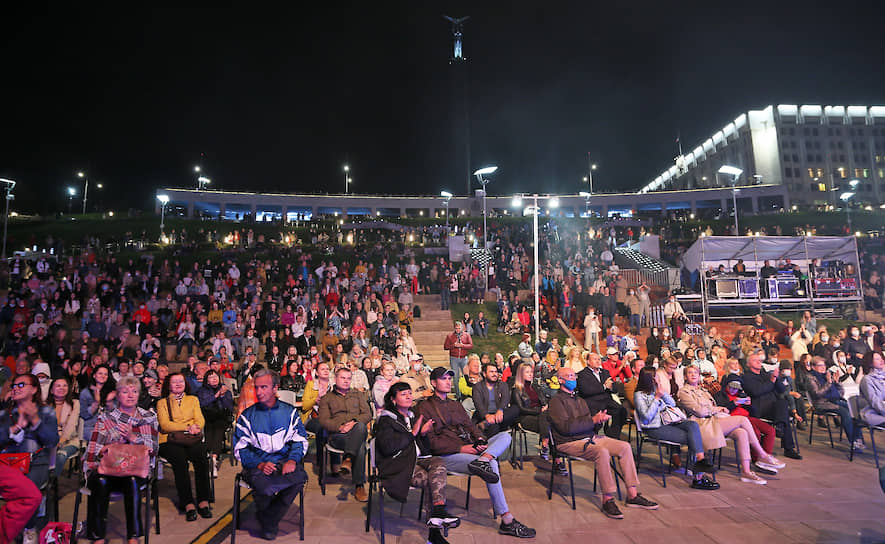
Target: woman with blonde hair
[
  {"x": 576, "y": 360},
  {"x": 751, "y": 342}
]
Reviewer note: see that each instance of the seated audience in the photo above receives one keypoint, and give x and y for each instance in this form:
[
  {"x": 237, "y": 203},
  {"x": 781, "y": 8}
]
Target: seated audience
[
  {"x": 270, "y": 442},
  {"x": 217, "y": 406},
  {"x": 345, "y": 414},
  {"x": 764, "y": 388},
  {"x": 716, "y": 424},
  {"x": 124, "y": 424},
  {"x": 402, "y": 463},
  {"x": 651, "y": 402},
  {"x": 494, "y": 413},
  {"x": 575, "y": 432},
  {"x": 67, "y": 415},
  {"x": 465, "y": 449},
  {"x": 872, "y": 388},
  {"x": 595, "y": 387},
  {"x": 179, "y": 413}
]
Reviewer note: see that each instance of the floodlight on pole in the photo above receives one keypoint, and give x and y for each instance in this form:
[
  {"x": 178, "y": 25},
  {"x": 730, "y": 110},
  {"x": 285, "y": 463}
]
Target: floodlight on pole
[
  {"x": 485, "y": 233},
  {"x": 447, "y": 196},
  {"x": 164, "y": 199},
  {"x": 586, "y": 196},
  {"x": 535, "y": 210},
  {"x": 735, "y": 172},
  {"x": 10, "y": 185}
]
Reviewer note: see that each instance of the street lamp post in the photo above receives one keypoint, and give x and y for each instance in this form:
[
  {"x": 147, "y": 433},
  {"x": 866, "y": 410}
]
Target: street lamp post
[
  {"x": 346, "y": 177},
  {"x": 164, "y": 199},
  {"x": 735, "y": 172},
  {"x": 82, "y": 176},
  {"x": 447, "y": 196},
  {"x": 846, "y": 197},
  {"x": 586, "y": 196},
  {"x": 10, "y": 185},
  {"x": 535, "y": 210},
  {"x": 485, "y": 238},
  {"x": 589, "y": 177},
  {"x": 71, "y": 193}
]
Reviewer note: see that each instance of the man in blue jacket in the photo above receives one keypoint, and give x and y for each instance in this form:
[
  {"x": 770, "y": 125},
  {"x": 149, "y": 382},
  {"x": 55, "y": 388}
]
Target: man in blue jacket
[{"x": 270, "y": 442}]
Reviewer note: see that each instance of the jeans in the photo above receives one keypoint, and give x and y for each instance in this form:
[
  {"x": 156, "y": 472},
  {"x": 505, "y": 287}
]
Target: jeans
[
  {"x": 634, "y": 321},
  {"x": 845, "y": 417},
  {"x": 444, "y": 299},
  {"x": 685, "y": 432},
  {"x": 457, "y": 364},
  {"x": 498, "y": 444},
  {"x": 353, "y": 443},
  {"x": 61, "y": 457}
]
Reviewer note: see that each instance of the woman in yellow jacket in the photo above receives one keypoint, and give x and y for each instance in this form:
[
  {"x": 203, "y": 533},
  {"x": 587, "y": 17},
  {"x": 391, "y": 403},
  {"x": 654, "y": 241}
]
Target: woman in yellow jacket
[
  {"x": 313, "y": 391},
  {"x": 180, "y": 413}
]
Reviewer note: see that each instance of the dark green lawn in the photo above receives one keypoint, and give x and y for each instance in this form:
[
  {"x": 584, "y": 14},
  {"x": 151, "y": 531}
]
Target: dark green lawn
[{"x": 496, "y": 342}]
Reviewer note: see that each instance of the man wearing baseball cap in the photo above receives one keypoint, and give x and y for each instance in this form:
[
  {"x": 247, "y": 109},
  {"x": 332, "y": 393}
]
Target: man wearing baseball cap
[{"x": 464, "y": 449}]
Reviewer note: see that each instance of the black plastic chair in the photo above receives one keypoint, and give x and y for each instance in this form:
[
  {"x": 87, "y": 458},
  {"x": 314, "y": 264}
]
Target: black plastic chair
[
  {"x": 240, "y": 482},
  {"x": 828, "y": 415},
  {"x": 151, "y": 503},
  {"x": 554, "y": 455},
  {"x": 375, "y": 484}
]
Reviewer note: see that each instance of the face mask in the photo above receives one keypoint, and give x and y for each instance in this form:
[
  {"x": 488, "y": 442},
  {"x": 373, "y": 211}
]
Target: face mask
[
  {"x": 787, "y": 372},
  {"x": 61, "y": 354},
  {"x": 43, "y": 381},
  {"x": 855, "y": 334},
  {"x": 842, "y": 360},
  {"x": 654, "y": 333},
  {"x": 824, "y": 338},
  {"x": 655, "y": 366},
  {"x": 571, "y": 385}
]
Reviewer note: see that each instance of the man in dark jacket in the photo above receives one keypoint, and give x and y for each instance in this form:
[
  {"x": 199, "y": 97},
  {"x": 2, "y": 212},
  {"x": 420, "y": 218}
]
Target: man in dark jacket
[
  {"x": 491, "y": 397},
  {"x": 595, "y": 387},
  {"x": 855, "y": 347},
  {"x": 766, "y": 393},
  {"x": 464, "y": 448},
  {"x": 574, "y": 433}
]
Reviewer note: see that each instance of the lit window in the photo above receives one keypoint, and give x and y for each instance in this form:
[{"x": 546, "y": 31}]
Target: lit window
[
  {"x": 866, "y": 173},
  {"x": 811, "y": 173},
  {"x": 857, "y": 172},
  {"x": 820, "y": 172},
  {"x": 822, "y": 187}
]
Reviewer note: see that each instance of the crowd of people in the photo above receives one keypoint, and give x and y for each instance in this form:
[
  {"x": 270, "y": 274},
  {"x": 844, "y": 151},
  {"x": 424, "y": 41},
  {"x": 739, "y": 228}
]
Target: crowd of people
[{"x": 190, "y": 361}]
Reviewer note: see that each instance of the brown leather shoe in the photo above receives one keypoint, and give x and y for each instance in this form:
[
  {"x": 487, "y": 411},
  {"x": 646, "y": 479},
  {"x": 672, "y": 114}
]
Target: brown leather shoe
[
  {"x": 346, "y": 466},
  {"x": 360, "y": 494},
  {"x": 675, "y": 460}
]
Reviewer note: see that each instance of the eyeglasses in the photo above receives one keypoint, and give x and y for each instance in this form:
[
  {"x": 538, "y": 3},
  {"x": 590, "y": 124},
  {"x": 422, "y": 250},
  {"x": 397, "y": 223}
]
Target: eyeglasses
[{"x": 19, "y": 385}]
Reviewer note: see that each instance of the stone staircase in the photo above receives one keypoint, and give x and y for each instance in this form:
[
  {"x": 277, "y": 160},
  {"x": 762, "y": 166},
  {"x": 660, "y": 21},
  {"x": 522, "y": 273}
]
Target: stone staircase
[{"x": 430, "y": 330}]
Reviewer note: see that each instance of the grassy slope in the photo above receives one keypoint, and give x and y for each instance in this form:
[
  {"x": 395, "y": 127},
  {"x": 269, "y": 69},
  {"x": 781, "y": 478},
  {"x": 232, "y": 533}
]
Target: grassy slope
[{"x": 496, "y": 342}]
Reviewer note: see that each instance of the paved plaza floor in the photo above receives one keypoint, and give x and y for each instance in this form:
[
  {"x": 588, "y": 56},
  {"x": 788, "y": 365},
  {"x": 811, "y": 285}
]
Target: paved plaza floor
[{"x": 823, "y": 498}]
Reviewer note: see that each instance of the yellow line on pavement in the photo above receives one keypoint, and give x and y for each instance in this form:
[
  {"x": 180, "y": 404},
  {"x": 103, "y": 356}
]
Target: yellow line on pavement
[{"x": 209, "y": 534}]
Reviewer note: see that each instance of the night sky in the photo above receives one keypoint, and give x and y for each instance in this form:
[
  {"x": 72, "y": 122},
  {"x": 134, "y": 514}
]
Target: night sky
[{"x": 281, "y": 100}]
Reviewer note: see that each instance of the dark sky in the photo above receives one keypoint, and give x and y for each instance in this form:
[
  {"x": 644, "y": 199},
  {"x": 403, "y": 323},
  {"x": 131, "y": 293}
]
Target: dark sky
[{"x": 279, "y": 100}]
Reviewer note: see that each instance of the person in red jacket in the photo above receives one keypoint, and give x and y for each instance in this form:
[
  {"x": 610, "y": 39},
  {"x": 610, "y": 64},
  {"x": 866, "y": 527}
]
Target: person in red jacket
[{"x": 458, "y": 343}]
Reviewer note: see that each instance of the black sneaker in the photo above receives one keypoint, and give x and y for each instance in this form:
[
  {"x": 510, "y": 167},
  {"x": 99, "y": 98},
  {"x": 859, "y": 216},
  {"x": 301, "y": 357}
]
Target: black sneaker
[
  {"x": 792, "y": 454},
  {"x": 641, "y": 502},
  {"x": 440, "y": 518},
  {"x": 705, "y": 484},
  {"x": 483, "y": 469},
  {"x": 545, "y": 453},
  {"x": 517, "y": 529},
  {"x": 610, "y": 509},
  {"x": 561, "y": 469},
  {"x": 436, "y": 537}
]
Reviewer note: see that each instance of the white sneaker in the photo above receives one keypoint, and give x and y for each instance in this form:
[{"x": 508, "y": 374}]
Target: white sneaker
[
  {"x": 752, "y": 478},
  {"x": 29, "y": 536},
  {"x": 215, "y": 464},
  {"x": 773, "y": 461},
  {"x": 767, "y": 467},
  {"x": 859, "y": 445}
]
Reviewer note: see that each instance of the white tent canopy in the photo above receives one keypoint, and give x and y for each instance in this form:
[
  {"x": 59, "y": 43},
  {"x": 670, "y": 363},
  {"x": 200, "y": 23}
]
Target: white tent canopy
[{"x": 756, "y": 249}]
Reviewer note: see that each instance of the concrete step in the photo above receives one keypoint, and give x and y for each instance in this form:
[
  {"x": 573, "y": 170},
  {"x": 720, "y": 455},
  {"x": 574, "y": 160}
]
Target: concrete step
[{"x": 435, "y": 315}]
